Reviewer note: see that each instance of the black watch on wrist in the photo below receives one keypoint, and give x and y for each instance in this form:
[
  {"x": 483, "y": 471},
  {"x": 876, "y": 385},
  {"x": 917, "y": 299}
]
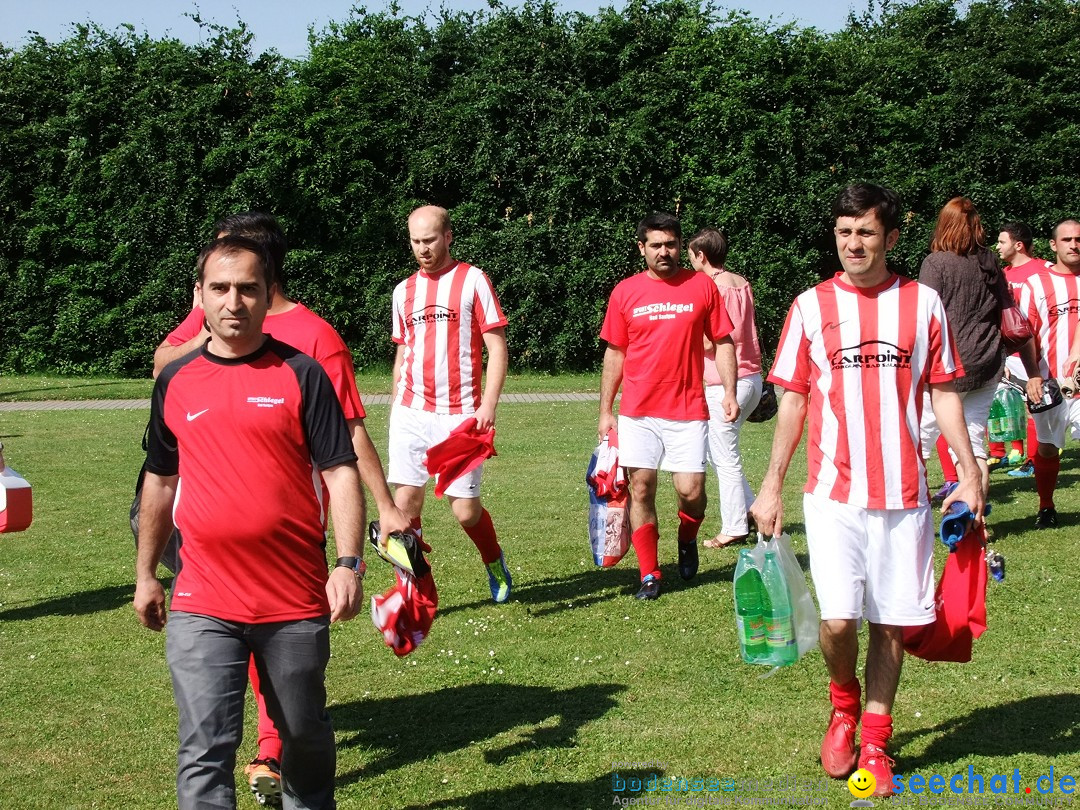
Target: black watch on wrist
[{"x": 354, "y": 564}]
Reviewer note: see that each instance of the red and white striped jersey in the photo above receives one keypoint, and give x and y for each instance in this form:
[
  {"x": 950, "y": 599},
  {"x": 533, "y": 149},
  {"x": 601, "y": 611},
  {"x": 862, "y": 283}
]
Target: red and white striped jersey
[
  {"x": 440, "y": 319},
  {"x": 1051, "y": 302},
  {"x": 864, "y": 357}
]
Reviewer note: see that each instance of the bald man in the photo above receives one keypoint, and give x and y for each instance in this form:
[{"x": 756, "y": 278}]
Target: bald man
[{"x": 445, "y": 315}]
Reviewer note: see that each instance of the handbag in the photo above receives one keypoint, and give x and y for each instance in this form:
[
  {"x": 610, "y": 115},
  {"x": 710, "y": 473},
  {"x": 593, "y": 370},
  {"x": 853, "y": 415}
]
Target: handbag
[
  {"x": 767, "y": 406},
  {"x": 1015, "y": 329}
]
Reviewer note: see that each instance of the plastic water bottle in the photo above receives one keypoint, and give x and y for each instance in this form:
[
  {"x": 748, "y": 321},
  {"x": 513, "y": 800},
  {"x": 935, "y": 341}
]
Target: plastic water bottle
[
  {"x": 995, "y": 424},
  {"x": 779, "y": 627},
  {"x": 1015, "y": 425},
  {"x": 749, "y": 616},
  {"x": 957, "y": 522},
  {"x": 995, "y": 561}
]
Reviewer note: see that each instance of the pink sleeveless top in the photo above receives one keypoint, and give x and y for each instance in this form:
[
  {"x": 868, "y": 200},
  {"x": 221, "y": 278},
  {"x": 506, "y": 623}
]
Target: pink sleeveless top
[{"x": 739, "y": 302}]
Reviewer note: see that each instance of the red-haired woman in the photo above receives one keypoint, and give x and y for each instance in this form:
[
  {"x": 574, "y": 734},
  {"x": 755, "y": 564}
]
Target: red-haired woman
[{"x": 974, "y": 291}]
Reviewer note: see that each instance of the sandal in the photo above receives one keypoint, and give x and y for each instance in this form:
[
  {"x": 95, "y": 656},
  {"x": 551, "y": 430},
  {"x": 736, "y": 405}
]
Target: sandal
[{"x": 717, "y": 542}]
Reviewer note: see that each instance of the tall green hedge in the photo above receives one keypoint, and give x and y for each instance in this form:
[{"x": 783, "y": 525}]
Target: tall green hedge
[{"x": 548, "y": 135}]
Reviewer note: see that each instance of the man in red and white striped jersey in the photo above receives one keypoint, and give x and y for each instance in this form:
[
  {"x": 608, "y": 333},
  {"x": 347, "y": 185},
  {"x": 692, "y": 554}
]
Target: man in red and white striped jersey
[
  {"x": 1051, "y": 301},
  {"x": 445, "y": 315},
  {"x": 856, "y": 354}
]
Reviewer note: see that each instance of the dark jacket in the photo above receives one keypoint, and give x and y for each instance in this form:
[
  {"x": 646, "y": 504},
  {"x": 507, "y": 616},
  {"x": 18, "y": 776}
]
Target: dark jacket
[{"x": 973, "y": 290}]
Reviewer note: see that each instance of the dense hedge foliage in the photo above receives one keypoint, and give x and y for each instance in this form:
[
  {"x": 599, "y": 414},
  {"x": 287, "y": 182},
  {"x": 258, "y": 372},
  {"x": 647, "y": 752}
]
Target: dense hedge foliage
[{"x": 547, "y": 134}]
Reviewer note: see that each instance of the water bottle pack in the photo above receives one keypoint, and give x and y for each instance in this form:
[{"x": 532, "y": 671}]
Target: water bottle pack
[
  {"x": 775, "y": 615},
  {"x": 1008, "y": 417}
]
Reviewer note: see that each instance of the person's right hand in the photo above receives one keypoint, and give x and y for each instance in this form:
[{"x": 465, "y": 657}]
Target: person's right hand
[
  {"x": 150, "y": 604},
  {"x": 767, "y": 511},
  {"x": 607, "y": 422}
]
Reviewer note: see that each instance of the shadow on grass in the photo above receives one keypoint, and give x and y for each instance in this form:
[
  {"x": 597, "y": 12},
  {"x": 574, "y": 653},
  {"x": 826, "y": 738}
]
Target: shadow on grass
[
  {"x": 1047, "y": 725},
  {"x": 598, "y": 585},
  {"x": 76, "y": 604},
  {"x": 1004, "y": 489},
  {"x": 400, "y": 731},
  {"x": 593, "y": 793}
]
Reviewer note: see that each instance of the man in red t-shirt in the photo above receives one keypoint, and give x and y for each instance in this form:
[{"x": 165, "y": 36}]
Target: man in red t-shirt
[
  {"x": 254, "y": 430},
  {"x": 655, "y": 327},
  {"x": 296, "y": 325}
]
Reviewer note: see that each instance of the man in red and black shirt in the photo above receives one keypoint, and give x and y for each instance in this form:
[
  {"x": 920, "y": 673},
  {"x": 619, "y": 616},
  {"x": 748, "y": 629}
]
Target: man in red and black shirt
[
  {"x": 243, "y": 436},
  {"x": 655, "y": 327}
]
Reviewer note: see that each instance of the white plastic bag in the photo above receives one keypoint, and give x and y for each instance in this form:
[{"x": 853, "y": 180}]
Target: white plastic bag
[{"x": 804, "y": 614}]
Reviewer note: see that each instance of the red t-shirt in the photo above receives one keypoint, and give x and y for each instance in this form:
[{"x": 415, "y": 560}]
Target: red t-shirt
[
  {"x": 660, "y": 323},
  {"x": 306, "y": 331},
  {"x": 1016, "y": 276},
  {"x": 247, "y": 437}
]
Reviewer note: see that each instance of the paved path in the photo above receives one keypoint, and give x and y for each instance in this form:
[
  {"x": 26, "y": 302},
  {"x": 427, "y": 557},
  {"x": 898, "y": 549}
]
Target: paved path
[{"x": 144, "y": 404}]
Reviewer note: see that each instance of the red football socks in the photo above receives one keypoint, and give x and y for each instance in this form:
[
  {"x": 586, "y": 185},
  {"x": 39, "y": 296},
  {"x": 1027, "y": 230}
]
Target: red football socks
[
  {"x": 646, "y": 539},
  {"x": 947, "y": 467},
  {"x": 876, "y": 730},
  {"x": 482, "y": 533},
  {"x": 1046, "y": 475},
  {"x": 847, "y": 698},
  {"x": 688, "y": 527}
]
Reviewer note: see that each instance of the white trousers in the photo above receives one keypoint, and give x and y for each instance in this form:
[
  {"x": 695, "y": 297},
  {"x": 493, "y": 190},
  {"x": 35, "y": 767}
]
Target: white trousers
[{"x": 735, "y": 493}]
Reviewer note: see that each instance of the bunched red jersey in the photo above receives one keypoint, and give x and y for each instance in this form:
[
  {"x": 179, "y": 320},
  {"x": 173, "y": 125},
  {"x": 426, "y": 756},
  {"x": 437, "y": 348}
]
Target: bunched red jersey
[
  {"x": 659, "y": 324},
  {"x": 865, "y": 357},
  {"x": 440, "y": 319},
  {"x": 248, "y": 437}
]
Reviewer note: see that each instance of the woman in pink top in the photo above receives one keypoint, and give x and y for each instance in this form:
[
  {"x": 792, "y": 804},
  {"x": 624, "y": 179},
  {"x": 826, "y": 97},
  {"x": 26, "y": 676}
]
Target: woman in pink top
[{"x": 708, "y": 251}]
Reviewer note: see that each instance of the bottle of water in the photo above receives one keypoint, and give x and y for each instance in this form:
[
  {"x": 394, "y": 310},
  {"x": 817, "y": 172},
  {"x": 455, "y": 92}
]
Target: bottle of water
[
  {"x": 1016, "y": 409},
  {"x": 995, "y": 561},
  {"x": 779, "y": 627},
  {"x": 995, "y": 424},
  {"x": 749, "y": 615}
]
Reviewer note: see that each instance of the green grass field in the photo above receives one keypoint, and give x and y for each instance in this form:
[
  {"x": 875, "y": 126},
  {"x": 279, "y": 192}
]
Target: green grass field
[{"x": 527, "y": 704}]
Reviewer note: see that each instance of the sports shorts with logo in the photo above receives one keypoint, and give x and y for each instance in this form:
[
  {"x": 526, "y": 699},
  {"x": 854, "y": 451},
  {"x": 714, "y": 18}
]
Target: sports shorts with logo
[{"x": 872, "y": 563}]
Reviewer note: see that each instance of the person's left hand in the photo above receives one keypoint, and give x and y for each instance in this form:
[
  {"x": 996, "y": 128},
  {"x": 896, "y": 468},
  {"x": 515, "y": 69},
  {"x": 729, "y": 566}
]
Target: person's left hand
[
  {"x": 345, "y": 592},
  {"x": 485, "y": 417}
]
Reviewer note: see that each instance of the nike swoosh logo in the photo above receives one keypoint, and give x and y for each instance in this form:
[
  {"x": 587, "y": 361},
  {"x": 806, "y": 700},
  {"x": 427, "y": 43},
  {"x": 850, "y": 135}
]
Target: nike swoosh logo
[{"x": 191, "y": 417}]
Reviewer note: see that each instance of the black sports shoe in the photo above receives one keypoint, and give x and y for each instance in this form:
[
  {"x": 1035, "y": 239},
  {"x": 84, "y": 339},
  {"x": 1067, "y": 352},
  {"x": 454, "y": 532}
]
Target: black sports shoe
[
  {"x": 650, "y": 588},
  {"x": 688, "y": 560},
  {"x": 1046, "y": 519}
]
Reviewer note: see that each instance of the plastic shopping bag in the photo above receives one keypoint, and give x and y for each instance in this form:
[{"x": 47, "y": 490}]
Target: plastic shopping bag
[
  {"x": 609, "y": 513},
  {"x": 775, "y": 615}
]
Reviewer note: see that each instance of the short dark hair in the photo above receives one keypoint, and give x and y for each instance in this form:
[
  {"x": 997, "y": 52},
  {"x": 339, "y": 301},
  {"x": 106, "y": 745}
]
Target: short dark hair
[
  {"x": 1060, "y": 222},
  {"x": 659, "y": 221},
  {"x": 262, "y": 228},
  {"x": 862, "y": 198},
  {"x": 713, "y": 243},
  {"x": 1020, "y": 232},
  {"x": 231, "y": 245}
]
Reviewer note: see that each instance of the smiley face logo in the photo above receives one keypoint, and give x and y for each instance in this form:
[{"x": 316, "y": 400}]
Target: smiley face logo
[{"x": 861, "y": 783}]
